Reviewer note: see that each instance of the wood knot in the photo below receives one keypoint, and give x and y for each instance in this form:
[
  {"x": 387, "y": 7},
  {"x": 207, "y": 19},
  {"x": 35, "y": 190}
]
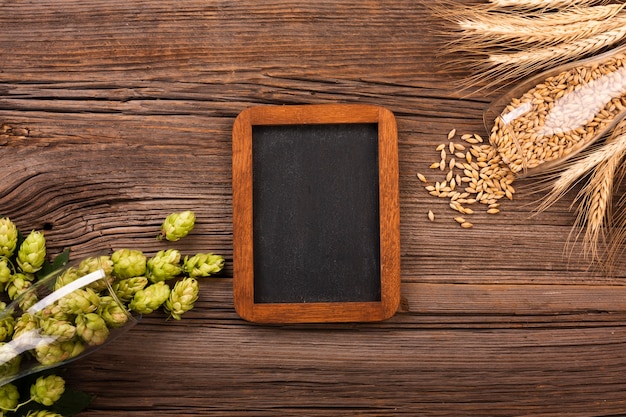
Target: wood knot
[{"x": 8, "y": 131}]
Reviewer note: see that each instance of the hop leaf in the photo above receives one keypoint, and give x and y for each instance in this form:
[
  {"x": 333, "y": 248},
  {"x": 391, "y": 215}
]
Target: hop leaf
[
  {"x": 203, "y": 265},
  {"x": 9, "y": 397},
  {"x": 32, "y": 252},
  {"x": 150, "y": 298},
  {"x": 128, "y": 263},
  {"x": 92, "y": 329},
  {"x": 182, "y": 297},
  {"x": 178, "y": 225},
  {"x": 8, "y": 237},
  {"x": 47, "y": 389},
  {"x": 164, "y": 265}
]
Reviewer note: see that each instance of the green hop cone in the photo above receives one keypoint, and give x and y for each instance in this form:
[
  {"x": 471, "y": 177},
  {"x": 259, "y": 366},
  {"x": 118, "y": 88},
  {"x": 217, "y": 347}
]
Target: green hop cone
[
  {"x": 57, "y": 352},
  {"x": 203, "y": 265},
  {"x": 150, "y": 298},
  {"x": 178, "y": 225},
  {"x": 67, "y": 276},
  {"x": 25, "y": 324},
  {"x": 10, "y": 360},
  {"x": 89, "y": 265},
  {"x": 164, "y": 265},
  {"x": 42, "y": 413},
  {"x": 112, "y": 313},
  {"x": 80, "y": 301},
  {"x": 18, "y": 286},
  {"x": 7, "y": 325},
  {"x": 128, "y": 263},
  {"x": 60, "y": 330},
  {"x": 92, "y": 329},
  {"x": 8, "y": 237},
  {"x": 9, "y": 397},
  {"x": 47, "y": 389},
  {"x": 182, "y": 297},
  {"x": 5, "y": 273},
  {"x": 32, "y": 252},
  {"x": 126, "y": 289}
]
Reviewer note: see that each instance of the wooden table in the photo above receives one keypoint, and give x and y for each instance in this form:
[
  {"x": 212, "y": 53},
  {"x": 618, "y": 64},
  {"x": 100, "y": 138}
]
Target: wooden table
[{"x": 115, "y": 113}]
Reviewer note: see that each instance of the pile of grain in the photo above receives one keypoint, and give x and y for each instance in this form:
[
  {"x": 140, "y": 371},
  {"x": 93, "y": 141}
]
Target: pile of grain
[
  {"x": 471, "y": 172},
  {"x": 561, "y": 115}
]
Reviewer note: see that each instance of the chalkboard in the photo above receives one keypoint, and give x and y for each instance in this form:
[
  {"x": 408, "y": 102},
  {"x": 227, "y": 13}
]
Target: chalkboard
[{"x": 315, "y": 214}]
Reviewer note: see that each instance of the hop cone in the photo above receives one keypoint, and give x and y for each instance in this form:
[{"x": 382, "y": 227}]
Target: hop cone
[
  {"x": 8, "y": 237},
  {"x": 67, "y": 276},
  {"x": 89, "y": 265},
  {"x": 42, "y": 413},
  {"x": 9, "y": 397},
  {"x": 61, "y": 330},
  {"x": 32, "y": 252},
  {"x": 56, "y": 352},
  {"x": 150, "y": 298},
  {"x": 164, "y": 265},
  {"x": 128, "y": 263},
  {"x": 7, "y": 325},
  {"x": 18, "y": 285},
  {"x": 10, "y": 360},
  {"x": 5, "y": 273},
  {"x": 82, "y": 300},
  {"x": 24, "y": 324},
  {"x": 92, "y": 329},
  {"x": 54, "y": 311},
  {"x": 203, "y": 265},
  {"x": 127, "y": 288},
  {"x": 112, "y": 313},
  {"x": 47, "y": 389},
  {"x": 178, "y": 225},
  {"x": 182, "y": 297}
]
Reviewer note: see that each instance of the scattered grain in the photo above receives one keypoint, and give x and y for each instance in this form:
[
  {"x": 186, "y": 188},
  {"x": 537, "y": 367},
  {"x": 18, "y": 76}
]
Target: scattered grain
[
  {"x": 467, "y": 225},
  {"x": 431, "y": 215},
  {"x": 421, "y": 177}
]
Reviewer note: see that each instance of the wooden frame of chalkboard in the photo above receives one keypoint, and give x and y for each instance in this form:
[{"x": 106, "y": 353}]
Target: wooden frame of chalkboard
[{"x": 316, "y": 222}]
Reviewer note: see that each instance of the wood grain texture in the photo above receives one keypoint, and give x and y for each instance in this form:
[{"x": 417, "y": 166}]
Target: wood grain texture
[{"x": 113, "y": 114}]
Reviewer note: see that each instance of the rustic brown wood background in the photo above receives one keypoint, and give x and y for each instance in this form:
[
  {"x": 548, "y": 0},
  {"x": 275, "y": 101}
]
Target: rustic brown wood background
[{"x": 115, "y": 113}]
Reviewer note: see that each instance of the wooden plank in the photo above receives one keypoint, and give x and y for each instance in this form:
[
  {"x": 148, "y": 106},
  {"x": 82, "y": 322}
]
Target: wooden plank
[{"x": 113, "y": 114}]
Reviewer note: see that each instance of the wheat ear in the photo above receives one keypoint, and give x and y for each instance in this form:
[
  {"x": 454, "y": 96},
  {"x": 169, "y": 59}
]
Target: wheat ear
[
  {"x": 540, "y": 4},
  {"x": 576, "y": 170},
  {"x": 594, "y": 210},
  {"x": 481, "y": 31}
]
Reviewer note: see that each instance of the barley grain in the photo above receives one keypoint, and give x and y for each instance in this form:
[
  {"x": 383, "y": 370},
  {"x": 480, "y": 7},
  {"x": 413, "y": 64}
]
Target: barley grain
[
  {"x": 421, "y": 177},
  {"x": 431, "y": 216},
  {"x": 451, "y": 133},
  {"x": 467, "y": 225}
]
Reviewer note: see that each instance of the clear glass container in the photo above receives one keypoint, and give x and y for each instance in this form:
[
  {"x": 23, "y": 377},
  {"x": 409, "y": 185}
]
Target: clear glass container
[
  {"x": 548, "y": 118},
  {"x": 62, "y": 317}
]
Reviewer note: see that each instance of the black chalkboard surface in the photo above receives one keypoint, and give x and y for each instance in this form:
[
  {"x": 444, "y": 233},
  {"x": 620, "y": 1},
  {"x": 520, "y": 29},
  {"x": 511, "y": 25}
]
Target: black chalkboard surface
[
  {"x": 316, "y": 217},
  {"x": 315, "y": 214}
]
